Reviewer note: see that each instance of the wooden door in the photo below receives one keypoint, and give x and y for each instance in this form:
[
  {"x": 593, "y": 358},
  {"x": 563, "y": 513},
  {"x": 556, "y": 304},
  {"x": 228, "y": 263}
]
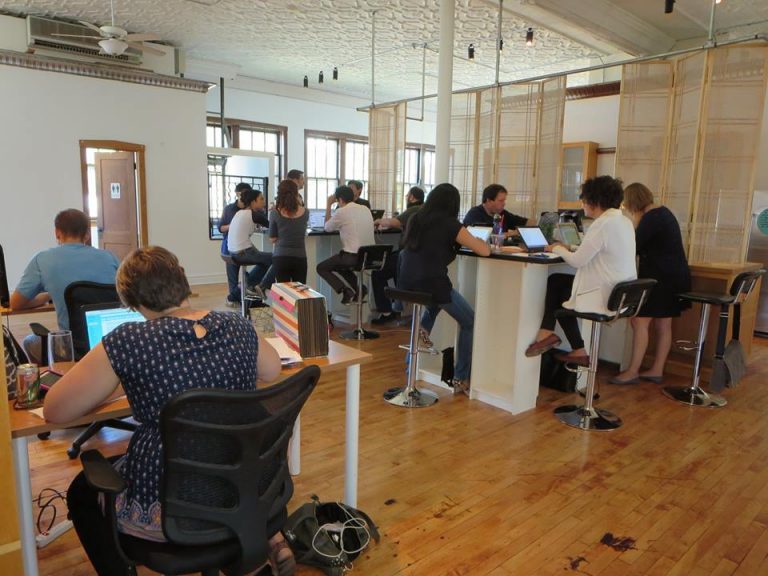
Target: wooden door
[{"x": 116, "y": 187}]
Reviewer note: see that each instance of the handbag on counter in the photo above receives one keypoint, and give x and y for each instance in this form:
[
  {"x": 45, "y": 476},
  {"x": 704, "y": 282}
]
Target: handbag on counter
[{"x": 329, "y": 535}]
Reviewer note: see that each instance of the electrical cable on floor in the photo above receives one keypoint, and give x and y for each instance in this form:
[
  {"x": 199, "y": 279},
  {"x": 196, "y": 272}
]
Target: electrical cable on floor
[{"x": 46, "y": 505}]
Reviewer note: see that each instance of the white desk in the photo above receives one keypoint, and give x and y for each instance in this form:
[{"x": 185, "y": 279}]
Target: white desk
[{"x": 24, "y": 424}]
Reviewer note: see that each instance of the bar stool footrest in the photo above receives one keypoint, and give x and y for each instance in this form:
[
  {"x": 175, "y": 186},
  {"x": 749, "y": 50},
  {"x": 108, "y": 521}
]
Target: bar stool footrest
[
  {"x": 410, "y": 398},
  {"x": 578, "y": 416},
  {"x": 360, "y": 334},
  {"x": 694, "y": 396}
]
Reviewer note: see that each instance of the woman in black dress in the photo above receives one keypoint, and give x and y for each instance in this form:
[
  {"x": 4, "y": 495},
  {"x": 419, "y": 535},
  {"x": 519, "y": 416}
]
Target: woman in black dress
[{"x": 661, "y": 257}]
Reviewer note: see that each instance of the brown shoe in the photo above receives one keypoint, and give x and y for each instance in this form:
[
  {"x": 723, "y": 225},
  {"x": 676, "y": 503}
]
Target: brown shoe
[
  {"x": 571, "y": 358},
  {"x": 542, "y": 345}
]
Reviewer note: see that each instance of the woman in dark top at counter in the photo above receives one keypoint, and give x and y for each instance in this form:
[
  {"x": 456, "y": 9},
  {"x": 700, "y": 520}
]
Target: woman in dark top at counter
[
  {"x": 661, "y": 257},
  {"x": 430, "y": 245},
  {"x": 288, "y": 230}
]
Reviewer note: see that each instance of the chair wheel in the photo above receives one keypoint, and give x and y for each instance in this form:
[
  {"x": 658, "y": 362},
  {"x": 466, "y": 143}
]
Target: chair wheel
[
  {"x": 44, "y": 435},
  {"x": 73, "y": 452}
]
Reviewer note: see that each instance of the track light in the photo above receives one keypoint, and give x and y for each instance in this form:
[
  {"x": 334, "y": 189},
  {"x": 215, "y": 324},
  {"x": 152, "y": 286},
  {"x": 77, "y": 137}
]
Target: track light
[
  {"x": 669, "y": 5},
  {"x": 335, "y": 73},
  {"x": 529, "y": 37},
  {"x": 320, "y": 78},
  {"x": 306, "y": 82},
  {"x": 471, "y": 52},
  {"x": 501, "y": 44}
]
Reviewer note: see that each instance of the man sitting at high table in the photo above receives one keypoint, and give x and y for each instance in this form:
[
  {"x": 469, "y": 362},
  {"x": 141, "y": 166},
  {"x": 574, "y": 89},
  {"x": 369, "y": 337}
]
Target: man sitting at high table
[
  {"x": 50, "y": 272},
  {"x": 494, "y": 200},
  {"x": 380, "y": 278},
  {"x": 355, "y": 225},
  {"x": 357, "y": 190}
]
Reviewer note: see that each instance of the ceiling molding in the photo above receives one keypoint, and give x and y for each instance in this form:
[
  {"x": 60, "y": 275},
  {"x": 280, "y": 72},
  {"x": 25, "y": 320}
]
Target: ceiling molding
[{"x": 101, "y": 71}]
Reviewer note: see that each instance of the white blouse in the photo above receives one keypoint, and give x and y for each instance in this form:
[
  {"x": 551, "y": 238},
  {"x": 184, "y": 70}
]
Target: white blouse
[{"x": 605, "y": 258}]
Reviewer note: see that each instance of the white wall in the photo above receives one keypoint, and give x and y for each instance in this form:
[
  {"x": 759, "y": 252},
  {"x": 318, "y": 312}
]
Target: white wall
[
  {"x": 594, "y": 120},
  {"x": 43, "y": 116}
]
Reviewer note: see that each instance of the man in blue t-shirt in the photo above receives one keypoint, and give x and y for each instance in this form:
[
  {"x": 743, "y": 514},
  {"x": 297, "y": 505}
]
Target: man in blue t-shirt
[{"x": 52, "y": 270}]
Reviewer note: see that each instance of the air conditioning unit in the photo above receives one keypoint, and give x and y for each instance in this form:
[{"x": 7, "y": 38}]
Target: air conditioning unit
[{"x": 41, "y": 39}]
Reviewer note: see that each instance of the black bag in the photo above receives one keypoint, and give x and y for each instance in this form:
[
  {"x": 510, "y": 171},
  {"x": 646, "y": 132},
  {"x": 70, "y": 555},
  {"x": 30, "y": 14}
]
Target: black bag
[
  {"x": 553, "y": 373},
  {"x": 446, "y": 373},
  {"x": 14, "y": 356},
  {"x": 730, "y": 362},
  {"x": 328, "y": 535}
]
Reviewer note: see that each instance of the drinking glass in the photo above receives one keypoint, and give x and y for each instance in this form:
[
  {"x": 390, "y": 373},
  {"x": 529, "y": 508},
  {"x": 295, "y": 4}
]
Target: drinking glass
[
  {"x": 497, "y": 241},
  {"x": 61, "y": 354}
]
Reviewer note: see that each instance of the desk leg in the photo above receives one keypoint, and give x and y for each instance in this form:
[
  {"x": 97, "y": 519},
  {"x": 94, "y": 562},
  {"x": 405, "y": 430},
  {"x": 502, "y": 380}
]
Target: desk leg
[
  {"x": 352, "y": 431},
  {"x": 294, "y": 449},
  {"x": 24, "y": 502}
]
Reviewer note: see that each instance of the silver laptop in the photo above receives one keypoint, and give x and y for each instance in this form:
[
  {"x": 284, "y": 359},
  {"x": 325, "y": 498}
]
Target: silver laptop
[
  {"x": 533, "y": 238},
  {"x": 316, "y": 219},
  {"x": 480, "y": 232}
]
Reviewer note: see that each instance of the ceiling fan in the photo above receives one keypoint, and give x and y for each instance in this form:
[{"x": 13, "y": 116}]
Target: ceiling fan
[{"x": 115, "y": 40}]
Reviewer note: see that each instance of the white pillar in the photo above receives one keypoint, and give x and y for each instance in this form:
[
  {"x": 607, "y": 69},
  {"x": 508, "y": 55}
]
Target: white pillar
[{"x": 444, "y": 89}]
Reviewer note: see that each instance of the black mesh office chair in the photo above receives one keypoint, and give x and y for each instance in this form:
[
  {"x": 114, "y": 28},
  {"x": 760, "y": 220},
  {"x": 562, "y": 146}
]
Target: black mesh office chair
[
  {"x": 225, "y": 481},
  {"x": 78, "y": 295}
]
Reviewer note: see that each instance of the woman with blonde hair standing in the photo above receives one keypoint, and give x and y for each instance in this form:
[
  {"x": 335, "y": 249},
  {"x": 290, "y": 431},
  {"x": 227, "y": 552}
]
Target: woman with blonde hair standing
[{"x": 661, "y": 256}]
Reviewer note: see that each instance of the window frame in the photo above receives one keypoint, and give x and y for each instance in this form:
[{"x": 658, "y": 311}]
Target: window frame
[
  {"x": 234, "y": 125},
  {"x": 341, "y": 138}
]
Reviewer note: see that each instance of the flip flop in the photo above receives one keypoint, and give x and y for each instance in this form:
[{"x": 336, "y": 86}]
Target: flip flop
[{"x": 617, "y": 380}]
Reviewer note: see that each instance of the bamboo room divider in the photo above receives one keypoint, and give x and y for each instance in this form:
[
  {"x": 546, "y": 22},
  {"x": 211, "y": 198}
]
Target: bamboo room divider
[
  {"x": 689, "y": 128},
  {"x": 386, "y": 156}
]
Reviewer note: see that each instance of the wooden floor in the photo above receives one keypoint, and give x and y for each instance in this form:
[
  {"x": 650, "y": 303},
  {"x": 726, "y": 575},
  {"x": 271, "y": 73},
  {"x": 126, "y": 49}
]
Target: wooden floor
[{"x": 464, "y": 488}]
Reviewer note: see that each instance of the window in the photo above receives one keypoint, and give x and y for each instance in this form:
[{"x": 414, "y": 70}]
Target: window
[
  {"x": 255, "y": 136},
  {"x": 329, "y": 156},
  {"x": 419, "y": 170}
]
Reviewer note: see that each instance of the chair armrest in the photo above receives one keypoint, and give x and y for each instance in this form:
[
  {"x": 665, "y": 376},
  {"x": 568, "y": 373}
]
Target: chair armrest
[
  {"x": 100, "y": 474},
  {"x": 38, "y": 329}
]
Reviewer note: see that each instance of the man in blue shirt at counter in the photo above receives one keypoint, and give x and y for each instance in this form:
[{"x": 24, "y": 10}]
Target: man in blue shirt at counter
[
  {"x": 494, "y": 200},
  {"x": 49, "y": 272}
]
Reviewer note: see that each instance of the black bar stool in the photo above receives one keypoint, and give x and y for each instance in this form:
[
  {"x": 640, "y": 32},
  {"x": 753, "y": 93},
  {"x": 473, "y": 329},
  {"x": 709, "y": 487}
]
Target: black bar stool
[
  {"x": 245, "y": 300},
  {"x": 741, "y": 287},
  {"x": 370, "y": 257},
  {"x": 625, "y": 301},
  {"x": 410, "y": 396}
]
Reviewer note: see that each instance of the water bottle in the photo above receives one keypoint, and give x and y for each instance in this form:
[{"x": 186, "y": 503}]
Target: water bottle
[{"x": 497, "y": 228}]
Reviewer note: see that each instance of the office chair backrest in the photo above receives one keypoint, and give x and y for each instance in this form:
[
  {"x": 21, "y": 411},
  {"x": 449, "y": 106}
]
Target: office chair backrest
[
  {"x": 77, "y": 295},
  {"x": 225, "y": 464},
  {"x": 627, "y": 298}
]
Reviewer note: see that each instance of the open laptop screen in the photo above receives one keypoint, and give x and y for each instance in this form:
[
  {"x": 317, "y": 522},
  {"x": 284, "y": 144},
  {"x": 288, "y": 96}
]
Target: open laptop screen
[
  {"x": 316, "y": 218},
  {"x": 569, "y": 234},
  {"x": 533, "y": 238},
  {"x": 480, "y": 232},
  {"x": 101, "y": 319}
]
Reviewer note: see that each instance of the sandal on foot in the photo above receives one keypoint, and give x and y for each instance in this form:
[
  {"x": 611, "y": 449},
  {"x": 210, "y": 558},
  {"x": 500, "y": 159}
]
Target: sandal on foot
[{"x": 283, "y": 564}]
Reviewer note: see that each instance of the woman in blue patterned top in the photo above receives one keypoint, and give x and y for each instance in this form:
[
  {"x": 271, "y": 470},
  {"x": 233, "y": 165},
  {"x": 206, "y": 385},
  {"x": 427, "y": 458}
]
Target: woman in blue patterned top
[{"x": 177, "y": 348}]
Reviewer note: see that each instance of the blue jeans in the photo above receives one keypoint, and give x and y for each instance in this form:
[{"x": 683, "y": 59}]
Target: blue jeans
[
  {"x": 262, "y": 272},
  {"x": 460, "y": 310}
]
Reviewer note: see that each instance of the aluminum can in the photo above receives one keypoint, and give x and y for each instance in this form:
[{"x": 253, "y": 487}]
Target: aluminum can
[{"x": 27, "y": 385}]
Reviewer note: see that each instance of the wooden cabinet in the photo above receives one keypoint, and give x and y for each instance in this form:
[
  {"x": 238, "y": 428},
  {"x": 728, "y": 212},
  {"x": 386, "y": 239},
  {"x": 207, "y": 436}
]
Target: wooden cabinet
[{"x": 579, "y": 163}]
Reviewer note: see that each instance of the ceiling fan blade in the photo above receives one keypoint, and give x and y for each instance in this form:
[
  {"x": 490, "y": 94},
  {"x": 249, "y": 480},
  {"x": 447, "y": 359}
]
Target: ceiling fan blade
[
  {"x": 76, "y": 36},
  {"x": 91, "y": 26},
  {"x": 146, "y": 37},
  {"x": 145, "y": 48}
]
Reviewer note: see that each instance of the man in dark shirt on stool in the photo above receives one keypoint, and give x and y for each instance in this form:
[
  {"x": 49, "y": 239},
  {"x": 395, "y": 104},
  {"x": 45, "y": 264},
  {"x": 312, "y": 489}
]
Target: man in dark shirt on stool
[
  {"x": 357, "y": 189},
  {"x": 380, "y": 278},
  {"x": 494, "y": 199}
]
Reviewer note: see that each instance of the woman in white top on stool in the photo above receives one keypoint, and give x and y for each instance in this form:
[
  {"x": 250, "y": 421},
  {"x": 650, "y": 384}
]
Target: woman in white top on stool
[{"x": 605, "y": 257}]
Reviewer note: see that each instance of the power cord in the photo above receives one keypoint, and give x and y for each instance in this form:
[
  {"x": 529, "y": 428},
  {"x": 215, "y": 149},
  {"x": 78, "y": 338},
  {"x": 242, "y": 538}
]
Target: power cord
[{"x": 50, "y": 495}]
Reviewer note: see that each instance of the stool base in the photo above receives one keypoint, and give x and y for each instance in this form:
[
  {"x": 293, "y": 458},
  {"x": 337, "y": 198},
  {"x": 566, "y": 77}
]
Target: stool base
[
  {"x": 587, "y": 418},
  {"x": 694, "y": 396},
  {"x": 359, "y": 334},
  {"x": 413, "y": 398}
]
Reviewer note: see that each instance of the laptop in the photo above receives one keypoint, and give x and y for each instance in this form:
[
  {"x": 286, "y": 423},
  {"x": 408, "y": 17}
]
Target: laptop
[
  {"x": 533, "y": 238},
  {"x": 569, "y": 234},
  {"x": 377, "y": 214},
  {"x": 548, "y": 222},
  {"x": 480, "y": 232},
  {"x": 316, "y": 219},
  {"x": 101, "y": 319}
]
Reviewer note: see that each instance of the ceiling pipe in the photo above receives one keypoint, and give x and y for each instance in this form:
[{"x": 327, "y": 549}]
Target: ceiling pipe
[{"x": 752, "y": 38}]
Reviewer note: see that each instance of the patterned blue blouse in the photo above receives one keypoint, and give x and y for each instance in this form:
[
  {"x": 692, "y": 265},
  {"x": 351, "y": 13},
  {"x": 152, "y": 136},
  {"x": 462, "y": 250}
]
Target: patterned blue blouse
[{"x": 155, "y": 361}]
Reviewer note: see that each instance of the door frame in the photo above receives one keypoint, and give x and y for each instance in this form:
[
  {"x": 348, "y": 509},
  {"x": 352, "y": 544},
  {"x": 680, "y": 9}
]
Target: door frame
[{"x": 141, "y": 180}]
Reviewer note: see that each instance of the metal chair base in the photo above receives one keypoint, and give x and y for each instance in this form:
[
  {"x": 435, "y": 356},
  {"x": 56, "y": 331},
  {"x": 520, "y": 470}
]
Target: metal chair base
[
  {"x": 587, "y": 418},
  {"x": 360, "y": 334},
  {"x": 694, "y": 396},
  {"x": 413, "y": 398}
]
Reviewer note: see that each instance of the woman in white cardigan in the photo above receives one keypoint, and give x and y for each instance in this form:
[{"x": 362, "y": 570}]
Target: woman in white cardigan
[{"x": 605, "y": 257}]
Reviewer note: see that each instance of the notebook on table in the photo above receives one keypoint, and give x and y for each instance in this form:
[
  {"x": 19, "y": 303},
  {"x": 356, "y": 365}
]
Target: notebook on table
[
  {"x": 533, "y": 238},
  {"x": 101, "y": 319}
]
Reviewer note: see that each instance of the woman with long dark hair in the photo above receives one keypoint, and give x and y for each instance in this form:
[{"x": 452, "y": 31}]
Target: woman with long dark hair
[
  {"x": 288, "y": 230},
  {"x": 431, "y": 240}
]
